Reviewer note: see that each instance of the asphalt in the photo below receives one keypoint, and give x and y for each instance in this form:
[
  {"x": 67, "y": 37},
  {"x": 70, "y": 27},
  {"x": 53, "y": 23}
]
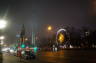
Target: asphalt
[{"x": 65, "y": 56}]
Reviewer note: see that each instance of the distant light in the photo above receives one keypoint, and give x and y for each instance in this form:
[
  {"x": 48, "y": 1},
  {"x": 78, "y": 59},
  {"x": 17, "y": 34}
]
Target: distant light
[
  {"x": 22, "y": 52},
  {"x": 2, "y": 24},
  {"x": 23, "y": 46},
  {"x": 27, "y": 48},
  {"x": 2, "y": 37},
  {"x": 26, "y": 39},
  {"x": 61, "y": 38},
  {"x": 56, "y": 49},
  {"x": 11, "y": 51},
  {"x": 35, "y": 49},
  {"x": 5, "y": 49},
  {"x": 71, "y": 46},
  {"x": 49, "y": 28}
]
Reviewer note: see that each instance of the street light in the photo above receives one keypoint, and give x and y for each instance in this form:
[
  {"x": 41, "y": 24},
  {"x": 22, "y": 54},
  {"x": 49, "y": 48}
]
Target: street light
[
  {"x": 2, "y": 37},
  {"x": 2, "y": 24},
  {"x": 49, "y": 28}
]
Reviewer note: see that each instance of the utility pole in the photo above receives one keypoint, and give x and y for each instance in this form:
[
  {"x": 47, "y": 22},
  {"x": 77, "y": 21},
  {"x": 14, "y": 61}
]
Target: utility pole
[{"x": 33, "y": 38}]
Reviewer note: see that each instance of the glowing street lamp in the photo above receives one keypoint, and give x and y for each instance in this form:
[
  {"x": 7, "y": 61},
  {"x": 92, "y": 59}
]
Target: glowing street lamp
[
  {"x": 2, "y": 37},
  {"x": 49, "y": 28},
  {"x": 2, "y": 24}
]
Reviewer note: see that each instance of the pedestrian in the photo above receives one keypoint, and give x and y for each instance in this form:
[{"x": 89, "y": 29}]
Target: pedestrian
[{"x": 20, "y": 55}]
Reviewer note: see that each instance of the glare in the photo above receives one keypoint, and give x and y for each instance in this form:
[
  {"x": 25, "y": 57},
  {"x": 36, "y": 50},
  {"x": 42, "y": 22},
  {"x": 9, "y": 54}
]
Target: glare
[
  {"x": 61, "y": 37},
  {"x": 71, "y": 46},
  {"x": 5, "y": 49},
  {"x": 35, "y": 49},
  {"x": 26, "y": 39},
  {"x": 22, "y": 52},
  {"x": 2, "y": 37},
  {"x": 11, "y": 51},
  {"x": 2, "y": 24},
  {"x": 49, "y": 28},
  {"x": 56, "y": 49}
]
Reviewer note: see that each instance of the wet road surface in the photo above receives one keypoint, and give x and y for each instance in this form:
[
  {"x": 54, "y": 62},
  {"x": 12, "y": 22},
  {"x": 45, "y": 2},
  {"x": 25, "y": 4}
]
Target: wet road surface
[{"x": 65, "y": 56}]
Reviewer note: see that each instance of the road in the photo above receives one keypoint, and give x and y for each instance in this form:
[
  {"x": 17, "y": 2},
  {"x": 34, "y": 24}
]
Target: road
[{"x": 66, "y": 56}]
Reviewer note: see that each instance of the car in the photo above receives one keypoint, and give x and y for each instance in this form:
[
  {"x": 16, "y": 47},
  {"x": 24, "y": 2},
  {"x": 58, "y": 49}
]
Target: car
[{"x": 29, "y": 55}]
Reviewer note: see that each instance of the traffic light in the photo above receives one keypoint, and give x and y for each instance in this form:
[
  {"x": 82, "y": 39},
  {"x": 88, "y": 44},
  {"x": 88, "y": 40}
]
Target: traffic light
[
  {"x": 35, "y": 49},
  {"x": 22, "y": 45}
]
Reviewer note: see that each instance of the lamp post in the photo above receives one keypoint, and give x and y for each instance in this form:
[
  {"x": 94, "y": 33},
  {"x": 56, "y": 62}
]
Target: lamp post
[{"x": 49, "y": 28}]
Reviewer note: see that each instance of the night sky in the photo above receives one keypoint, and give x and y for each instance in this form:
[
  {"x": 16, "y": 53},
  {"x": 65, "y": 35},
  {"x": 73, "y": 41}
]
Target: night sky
[{"x": 38, "y": 14}]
